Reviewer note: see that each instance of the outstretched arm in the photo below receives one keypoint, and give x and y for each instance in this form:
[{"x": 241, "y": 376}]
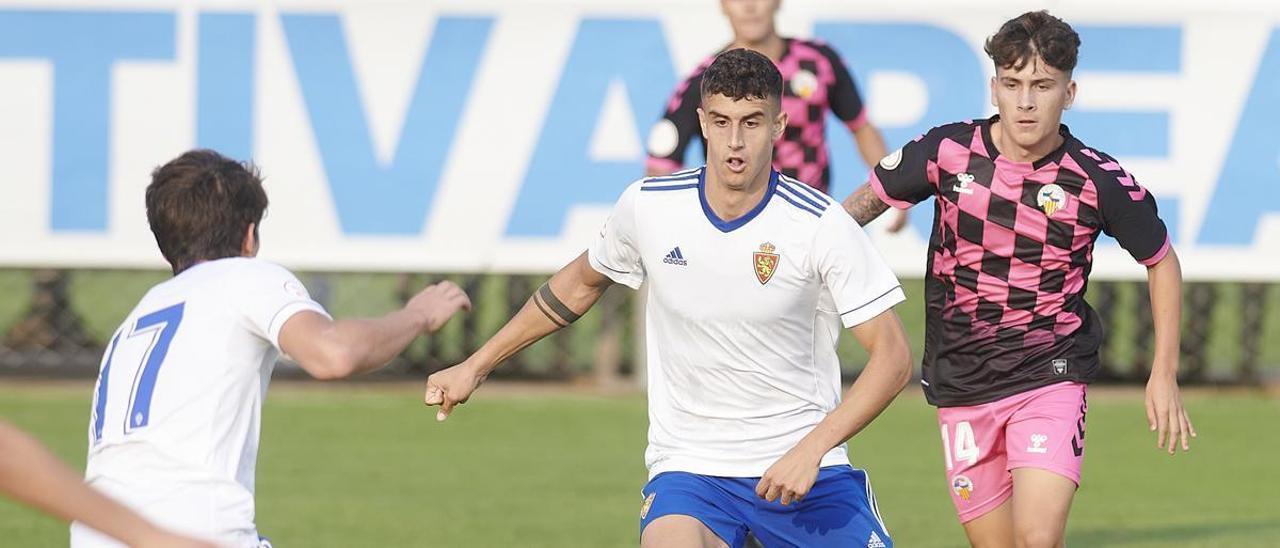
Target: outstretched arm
[
  {"x": 559, "y": 302},
  {"x": 863, "y": 205},
  {"x": 29, "y": 473},
  {"x": 1165, "y": 414},
  {"x": 887, "y": 371},
  {"x": 329, "y": 349}
]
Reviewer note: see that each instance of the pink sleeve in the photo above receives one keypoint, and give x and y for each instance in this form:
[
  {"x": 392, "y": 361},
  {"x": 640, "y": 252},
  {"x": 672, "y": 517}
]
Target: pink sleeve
[
  {"x": 857, "y": 123},
  {"x": 1160, "y": 254},
  {"x": 661, "y": 166}
]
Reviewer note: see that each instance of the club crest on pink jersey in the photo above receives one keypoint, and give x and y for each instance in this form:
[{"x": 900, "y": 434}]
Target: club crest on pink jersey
[
  {"x": 1051, "y": 199},
  {"x": 804, "y": 83}
]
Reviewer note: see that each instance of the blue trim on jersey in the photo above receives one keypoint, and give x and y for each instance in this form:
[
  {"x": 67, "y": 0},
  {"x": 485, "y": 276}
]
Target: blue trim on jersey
[
  {"x": 797, "y": 194},
  {"x": 799, "y": 205},
  {"x": 648, "y": 183},
  {"x": 677, "y": 176},
  {"x": 683, "y": 172},
  {"x": 730, "y": 226},
  {"x": 672, "y": 187},
  {"x": 812, "y": 191}
]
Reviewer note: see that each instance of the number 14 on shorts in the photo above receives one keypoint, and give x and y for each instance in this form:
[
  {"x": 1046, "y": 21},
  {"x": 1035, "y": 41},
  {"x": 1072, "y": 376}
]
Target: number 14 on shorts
[{"x": 963, "y": 448}]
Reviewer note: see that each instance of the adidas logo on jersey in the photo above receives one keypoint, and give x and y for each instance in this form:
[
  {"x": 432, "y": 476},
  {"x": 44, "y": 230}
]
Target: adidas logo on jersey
[
  {"x": 675, "y": 257},
  {"x": 875, "y": 541}
]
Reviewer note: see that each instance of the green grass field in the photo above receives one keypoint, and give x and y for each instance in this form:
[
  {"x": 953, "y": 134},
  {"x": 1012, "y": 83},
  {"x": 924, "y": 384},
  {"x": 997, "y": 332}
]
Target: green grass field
[
  {"x": 100, "y": 298},
  {"x": 367, "y": 465}
]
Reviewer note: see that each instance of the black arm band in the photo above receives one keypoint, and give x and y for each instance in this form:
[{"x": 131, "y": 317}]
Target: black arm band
[
  {"x": 543, "y": 308},
  {"x": 556, "y": 306}
]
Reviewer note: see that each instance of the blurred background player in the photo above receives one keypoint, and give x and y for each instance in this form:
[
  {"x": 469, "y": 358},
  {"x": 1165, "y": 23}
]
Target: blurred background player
[
  {"x": 814, "y": 81},
  {"x": 31, "y": 474},
  {"x": 176, "y": 415},
  {"x": 1011, "y": 342},
  {"x": 750, "y": 275}
]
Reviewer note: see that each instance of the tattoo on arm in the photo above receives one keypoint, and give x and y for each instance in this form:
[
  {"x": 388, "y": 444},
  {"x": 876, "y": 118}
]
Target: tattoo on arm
[
  {"x": 552, "y": 307},
  {"x": 864, "y": 206}
]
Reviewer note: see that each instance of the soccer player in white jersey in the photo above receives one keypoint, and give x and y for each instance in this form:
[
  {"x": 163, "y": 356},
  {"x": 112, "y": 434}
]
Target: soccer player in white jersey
[
  {"x": 750, "y": 276},
  {"x": 177, "y": 408}
]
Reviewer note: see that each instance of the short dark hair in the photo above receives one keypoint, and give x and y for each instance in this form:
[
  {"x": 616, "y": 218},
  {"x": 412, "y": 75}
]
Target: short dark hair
[
  {"x": 200, "y": 204},
  {"x": 1020, "y": 39},
  {"x": 742, "y": 74}
]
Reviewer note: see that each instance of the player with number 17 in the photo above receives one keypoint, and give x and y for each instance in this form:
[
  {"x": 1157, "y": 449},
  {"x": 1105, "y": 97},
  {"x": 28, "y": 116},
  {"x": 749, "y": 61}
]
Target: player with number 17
[{"x": 178, "y": 404}]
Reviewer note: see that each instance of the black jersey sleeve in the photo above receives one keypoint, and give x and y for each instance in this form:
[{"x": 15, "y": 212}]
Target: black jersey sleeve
[
  {"x": 846, "y": 101},
  {"x": 669, "y": 138},
  {"x": 1128, "y": 210},
  {"x": 909, "y": 175}
]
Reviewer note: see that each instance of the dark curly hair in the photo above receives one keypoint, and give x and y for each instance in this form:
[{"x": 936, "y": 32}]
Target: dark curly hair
[
  {"x": 742, "y": 74},
  {"x": 1033, "y": 33}
]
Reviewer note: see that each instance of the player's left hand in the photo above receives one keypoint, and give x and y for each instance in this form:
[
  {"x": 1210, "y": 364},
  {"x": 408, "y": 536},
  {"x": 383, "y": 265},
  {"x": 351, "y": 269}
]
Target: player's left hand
[
  {"x": 1165, "y": 415},
  {"x": 789, "y": 479}
]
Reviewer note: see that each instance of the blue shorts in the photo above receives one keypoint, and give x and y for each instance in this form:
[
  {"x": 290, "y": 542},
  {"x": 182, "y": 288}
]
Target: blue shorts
[{"x": 840, "y": 509}]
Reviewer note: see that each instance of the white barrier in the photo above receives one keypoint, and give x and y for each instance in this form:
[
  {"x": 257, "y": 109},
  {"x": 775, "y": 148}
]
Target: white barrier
[{"x": 469, "y": 136}]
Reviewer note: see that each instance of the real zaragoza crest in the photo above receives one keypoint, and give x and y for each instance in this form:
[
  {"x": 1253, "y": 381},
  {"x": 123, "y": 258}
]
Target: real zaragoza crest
[{"x": 766, "y": 262}]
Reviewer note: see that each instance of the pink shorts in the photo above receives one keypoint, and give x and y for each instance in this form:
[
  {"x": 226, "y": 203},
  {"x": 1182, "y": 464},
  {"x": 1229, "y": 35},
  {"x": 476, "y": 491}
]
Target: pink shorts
[{"x": 1041, "y": 428}]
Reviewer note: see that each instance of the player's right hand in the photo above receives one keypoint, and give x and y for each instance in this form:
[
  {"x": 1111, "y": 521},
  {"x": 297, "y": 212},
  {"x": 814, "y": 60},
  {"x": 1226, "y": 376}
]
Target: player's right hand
[
  {"x": 452, "y": 386},
  {"x": 439, "y": 302}
]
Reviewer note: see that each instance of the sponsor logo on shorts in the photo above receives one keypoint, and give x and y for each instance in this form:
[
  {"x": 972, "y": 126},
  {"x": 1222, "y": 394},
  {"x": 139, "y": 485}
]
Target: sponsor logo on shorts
[
  {"x": 1037, "y": 444},
  {"x": 648, "y": 502},
  {"x": 875, "y": 541},
  {"x": 1059, "y": 367},
  {"x": 962, "y": 486}
]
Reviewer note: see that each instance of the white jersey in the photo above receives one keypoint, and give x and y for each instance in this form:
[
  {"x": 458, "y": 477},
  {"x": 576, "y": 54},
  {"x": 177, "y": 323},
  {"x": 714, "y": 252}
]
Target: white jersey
[
  {"x": 177, "y": 408},
  {"x": 742, "y": 316}
]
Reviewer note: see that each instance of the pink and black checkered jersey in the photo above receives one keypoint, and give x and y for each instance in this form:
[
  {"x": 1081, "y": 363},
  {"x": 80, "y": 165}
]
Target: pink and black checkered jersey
[
  {"x": 1010, "y": 255},
  {"x": 814, "y": 80}
]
